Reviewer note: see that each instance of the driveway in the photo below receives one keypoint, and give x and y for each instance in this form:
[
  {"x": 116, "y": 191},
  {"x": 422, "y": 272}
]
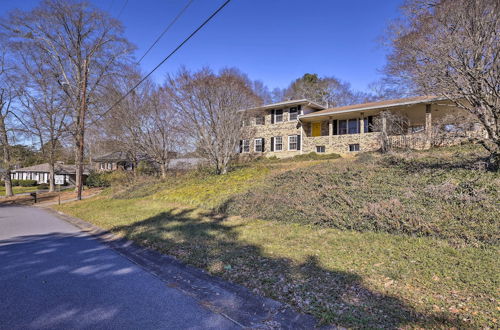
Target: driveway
[{"x": 53, "y": 276}]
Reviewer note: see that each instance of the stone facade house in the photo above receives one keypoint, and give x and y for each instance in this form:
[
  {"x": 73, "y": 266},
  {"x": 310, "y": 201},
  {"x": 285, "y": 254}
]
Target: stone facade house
[{"x": 300, "y": 126}]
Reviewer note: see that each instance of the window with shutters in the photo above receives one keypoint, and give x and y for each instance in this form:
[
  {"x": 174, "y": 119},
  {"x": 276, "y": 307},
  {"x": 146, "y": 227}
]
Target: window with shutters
[
  {"x": 278, "y": 143},
  {"x": 278, "y": 115},
  {"x": 293, "y": 114},
  {"x": 292, "y": 142},
  {"x": 245, "y": 145},
  {"x": 258, "y": 145}
]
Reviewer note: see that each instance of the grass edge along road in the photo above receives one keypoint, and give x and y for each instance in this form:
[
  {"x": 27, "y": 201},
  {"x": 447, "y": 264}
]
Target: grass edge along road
[{"x": 344, "y": 277}]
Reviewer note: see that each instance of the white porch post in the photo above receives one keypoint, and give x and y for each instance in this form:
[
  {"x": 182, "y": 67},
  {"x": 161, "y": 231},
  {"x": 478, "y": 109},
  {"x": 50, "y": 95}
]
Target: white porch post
[
  {"x": 428, "y": 126},
  {"x": 362, "y": 123},
  {"x": 302, "y": 138},
  {"x": 330, "y": 131}
]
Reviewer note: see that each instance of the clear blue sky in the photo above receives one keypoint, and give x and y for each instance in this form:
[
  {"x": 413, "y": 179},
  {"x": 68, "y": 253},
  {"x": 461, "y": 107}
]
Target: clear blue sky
[{"x": 275, "y": 41}]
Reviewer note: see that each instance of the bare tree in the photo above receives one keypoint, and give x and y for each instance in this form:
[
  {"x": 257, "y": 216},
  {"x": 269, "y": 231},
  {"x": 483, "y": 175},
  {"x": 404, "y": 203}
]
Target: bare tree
[
  {"x": 328, "y": 91},
  {"x": 7, "y": 96},
  {"x": 86, "y": 47},
  {"x": 451, "y": 48},
  {"x": 391, "y": 124},
  {"x": 43, "y": 111},
  {"x": 209, "y": 103}
]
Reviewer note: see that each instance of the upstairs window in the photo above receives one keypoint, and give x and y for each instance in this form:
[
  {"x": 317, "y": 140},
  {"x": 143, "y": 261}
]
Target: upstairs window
[
  {"x": 293, "y": 113},
  {"x": 278, "y": 115},
  {"x": 260, "y": 120}
]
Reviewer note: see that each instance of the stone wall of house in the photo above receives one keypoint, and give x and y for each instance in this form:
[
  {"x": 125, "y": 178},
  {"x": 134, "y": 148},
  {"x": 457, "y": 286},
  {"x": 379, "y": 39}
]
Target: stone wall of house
[
  {"x": 268, "y": 130},
  {"x": 340, "y": 143}
]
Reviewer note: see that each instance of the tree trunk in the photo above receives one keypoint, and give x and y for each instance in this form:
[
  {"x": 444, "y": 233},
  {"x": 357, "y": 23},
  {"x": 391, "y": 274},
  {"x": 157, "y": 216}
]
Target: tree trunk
[
  {"x": 51, "y": 176},
  {"x": 80, "y": 135},
  {"x": 163, "y": 168},
  {"x": 6, "y": 157}
]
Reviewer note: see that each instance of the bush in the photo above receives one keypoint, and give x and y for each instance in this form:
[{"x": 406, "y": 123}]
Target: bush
[
  {"x": 43, "y": 186},
  {"x": 96, "y": 179},
  {"x": 27, "y": 183},
  {"x": 316, "y": 156},
  {"x": 106, "y": 179}
]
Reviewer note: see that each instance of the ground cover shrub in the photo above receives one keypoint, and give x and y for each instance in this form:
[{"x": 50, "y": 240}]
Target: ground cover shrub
[
  {"x": 422, "y": 194},
  {"x": 26, "y": 183}
]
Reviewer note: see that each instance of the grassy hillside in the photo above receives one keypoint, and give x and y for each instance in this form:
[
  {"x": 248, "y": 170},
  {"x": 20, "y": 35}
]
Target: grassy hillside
[{"x": 382, "y": 241}]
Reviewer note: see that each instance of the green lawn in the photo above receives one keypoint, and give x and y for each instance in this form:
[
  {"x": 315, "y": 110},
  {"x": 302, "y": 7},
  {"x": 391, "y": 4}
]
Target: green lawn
[
  {"x": 369, "y": 277},
  {"x": 18, "y": 190}
]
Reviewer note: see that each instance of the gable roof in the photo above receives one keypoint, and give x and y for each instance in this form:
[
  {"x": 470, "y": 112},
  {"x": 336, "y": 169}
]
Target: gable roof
[
  {"x": 113, "y": 156},
  {"x": 375, "y": 105},
  {"x": 289, "y": 103}
]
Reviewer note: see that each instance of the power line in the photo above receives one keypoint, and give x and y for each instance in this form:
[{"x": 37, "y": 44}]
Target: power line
[
  {"x": 168, "y": 56},
  {"x": 121, "y": 10},
  {"x": 167, "y": 28}
]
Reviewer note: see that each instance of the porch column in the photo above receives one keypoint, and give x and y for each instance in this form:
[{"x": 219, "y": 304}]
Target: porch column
[
  {"x": 362, "y": 123},
  {"x": 330, "y": 131},
  {"x": 384, "y": 125},
  {"x": 302, "y": 136},
  {"x": 428, "y": 126}
]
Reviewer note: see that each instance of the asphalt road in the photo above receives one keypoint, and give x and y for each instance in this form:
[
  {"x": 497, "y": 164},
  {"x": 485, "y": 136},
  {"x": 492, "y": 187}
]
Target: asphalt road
[{"x": 53, "y": 276}]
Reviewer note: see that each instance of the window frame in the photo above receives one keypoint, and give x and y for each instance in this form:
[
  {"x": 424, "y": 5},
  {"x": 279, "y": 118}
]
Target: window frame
[
  {"x": 296, "y": 113},
  {"x": 349, "y": 121},
  {"x": 276, "y": 116},
  {"x": 243, "y": 146},
  {"x": 318, "y": 149},
  {"x": 255, "y": 145},
  {"x": 276, "y": 144},
  {"x": 260, "y": 117},
  {"x": 356, "y": 146},
  {"x": 290, "y": 143}
]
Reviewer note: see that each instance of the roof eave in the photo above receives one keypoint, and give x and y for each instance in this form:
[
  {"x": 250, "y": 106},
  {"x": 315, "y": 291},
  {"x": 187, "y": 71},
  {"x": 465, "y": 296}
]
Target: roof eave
[{"x": 311, "y": 115}]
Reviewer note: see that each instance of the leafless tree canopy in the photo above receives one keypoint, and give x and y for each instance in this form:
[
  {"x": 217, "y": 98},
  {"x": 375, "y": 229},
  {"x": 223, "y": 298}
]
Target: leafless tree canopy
[
  {"x": 328, "y": 91},
  {"x": 83, "y": 47},
  {"x": 144, "y": 125},
  {"x": 8, "y": 94},
  {"x": 42, "y": 108},
  {"x": 451, "y": 48},
  {"x": 209, "y": 105}
]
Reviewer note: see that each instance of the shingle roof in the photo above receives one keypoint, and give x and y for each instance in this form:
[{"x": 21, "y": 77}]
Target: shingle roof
[
  {"x": 375, "y": 105},
  {"x": 113, "y": 156},
  {"x": 286, "y": 103},
  {"x": 58, "y": 169}
]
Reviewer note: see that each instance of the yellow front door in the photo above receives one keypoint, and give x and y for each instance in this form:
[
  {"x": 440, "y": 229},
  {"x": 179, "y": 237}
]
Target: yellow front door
[{"x": 316, "y": 129}]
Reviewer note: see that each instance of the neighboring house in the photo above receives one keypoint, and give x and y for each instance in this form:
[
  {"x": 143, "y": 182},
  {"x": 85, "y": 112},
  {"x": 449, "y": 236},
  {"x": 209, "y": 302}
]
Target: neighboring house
[
  {"x": 289, "y": 128},
  {"x": 186, "y": 163},
  {"x": 120, "y": 160},
  {"x": 40, "y": 173},
  {"x": 113, "y": 161}
]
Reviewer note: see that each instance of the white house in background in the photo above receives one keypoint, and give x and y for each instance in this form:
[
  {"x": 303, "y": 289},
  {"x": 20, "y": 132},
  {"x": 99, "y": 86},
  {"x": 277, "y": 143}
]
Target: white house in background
[{"x": 40, "y": 173}]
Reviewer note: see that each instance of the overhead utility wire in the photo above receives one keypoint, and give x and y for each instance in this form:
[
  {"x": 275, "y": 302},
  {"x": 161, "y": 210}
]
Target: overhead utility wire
[
  {"x": 167, "y": 28},
  {"x": 168, "y": 56}
]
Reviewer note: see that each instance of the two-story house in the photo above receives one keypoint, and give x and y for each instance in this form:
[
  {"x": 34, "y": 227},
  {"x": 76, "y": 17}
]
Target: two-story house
[{"x": 300, "y": 126}]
